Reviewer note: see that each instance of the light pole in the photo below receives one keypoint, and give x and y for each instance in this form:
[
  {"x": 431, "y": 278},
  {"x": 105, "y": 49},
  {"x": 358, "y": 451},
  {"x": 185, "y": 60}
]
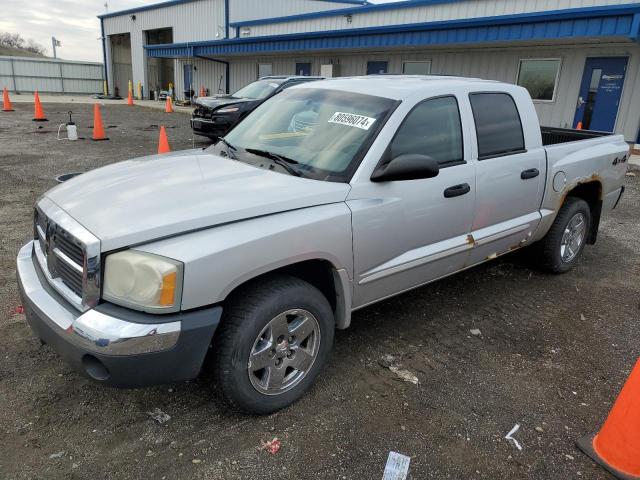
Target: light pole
[{"x": 55, "y": 43}]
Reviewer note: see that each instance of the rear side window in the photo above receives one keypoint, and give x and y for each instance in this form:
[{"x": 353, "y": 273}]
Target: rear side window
[
  {"x": 498, "y": 124},
  {"x": 432, "y": 128}
]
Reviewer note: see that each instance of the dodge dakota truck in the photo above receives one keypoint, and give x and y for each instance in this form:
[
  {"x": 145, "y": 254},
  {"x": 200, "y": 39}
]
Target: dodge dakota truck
[{"x": 246, "y": 256}]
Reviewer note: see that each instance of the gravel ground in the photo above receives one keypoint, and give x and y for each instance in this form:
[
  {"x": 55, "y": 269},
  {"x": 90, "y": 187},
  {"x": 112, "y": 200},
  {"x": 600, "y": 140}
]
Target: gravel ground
[{"x": 552, "y": 353}]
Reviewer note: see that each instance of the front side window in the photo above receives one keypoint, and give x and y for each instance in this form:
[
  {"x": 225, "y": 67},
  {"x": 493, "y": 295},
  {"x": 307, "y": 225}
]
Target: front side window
[
  {"x": 432, "y": 128},
  {"x": 539, "y": 77},
  {"x": 319, "y": 133},
  {"x": 257, "y": 90},
  {"x": 498, "y": 125}
]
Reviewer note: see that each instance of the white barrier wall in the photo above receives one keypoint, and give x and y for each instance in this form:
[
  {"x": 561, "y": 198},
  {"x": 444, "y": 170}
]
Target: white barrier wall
[{"x": 48, "y": 75}]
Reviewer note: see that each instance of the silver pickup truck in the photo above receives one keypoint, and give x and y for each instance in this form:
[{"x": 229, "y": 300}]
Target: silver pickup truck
[{"x": 332, "y": 195}]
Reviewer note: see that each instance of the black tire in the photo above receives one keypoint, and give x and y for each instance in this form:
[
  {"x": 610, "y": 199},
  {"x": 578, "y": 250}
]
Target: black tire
[
  {"x": 549, "y": 248},
  {"x": 245, "y": 315}
]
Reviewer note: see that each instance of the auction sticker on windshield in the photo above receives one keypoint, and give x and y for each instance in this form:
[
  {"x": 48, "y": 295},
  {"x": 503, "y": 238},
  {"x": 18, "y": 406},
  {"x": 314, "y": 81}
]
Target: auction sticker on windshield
[{"x": 352, "y": 120}]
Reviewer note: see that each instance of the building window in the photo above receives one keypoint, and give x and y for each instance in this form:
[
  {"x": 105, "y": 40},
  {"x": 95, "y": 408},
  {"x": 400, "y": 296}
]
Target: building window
[
  {"x": 416, "y": 68},
  {"x": 265, "y": 70},
  {"x": 498, "y": 125},
  {"x": 432, "y": 128},
  {"x": 539, "y": 77}
]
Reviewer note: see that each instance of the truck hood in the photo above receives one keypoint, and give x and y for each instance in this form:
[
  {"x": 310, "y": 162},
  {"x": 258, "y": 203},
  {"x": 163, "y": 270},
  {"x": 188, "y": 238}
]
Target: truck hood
[{"x": 144, "y": 199}]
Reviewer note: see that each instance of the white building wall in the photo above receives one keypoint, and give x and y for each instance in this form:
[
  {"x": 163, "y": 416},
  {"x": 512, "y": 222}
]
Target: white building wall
[
  {"x": 244, "y": 10},
  {"x": 191, "y": 22},
  {"x": 208, "y": 74},
  {"x": 426, "y": 13},
  {"x": 491, "y": 63}
]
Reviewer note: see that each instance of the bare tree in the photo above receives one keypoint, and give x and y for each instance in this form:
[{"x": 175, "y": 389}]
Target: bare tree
[
  {"x": 34, "y": 47},
  {"x": 15, "y": 40}
]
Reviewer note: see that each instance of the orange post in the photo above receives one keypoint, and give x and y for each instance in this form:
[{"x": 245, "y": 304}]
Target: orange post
[
  {"x": 579, "y": 127},
  {"x": 168, "y": 106},
  {"x": 6, "y": 101},
  {"x": 98, "y": 128},
  {"x": 39, "y": 113},
  {"x": 163, "y": 142},
  {"x": 617, "y": 446},
  {"x": 130, "y": 98}
]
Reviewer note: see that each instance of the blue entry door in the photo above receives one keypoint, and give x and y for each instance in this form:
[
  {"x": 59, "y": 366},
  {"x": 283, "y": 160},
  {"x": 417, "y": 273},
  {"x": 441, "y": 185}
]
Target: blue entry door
[
  {"x": 600, "y": 93},
  {"x": 377, "y": 68}
]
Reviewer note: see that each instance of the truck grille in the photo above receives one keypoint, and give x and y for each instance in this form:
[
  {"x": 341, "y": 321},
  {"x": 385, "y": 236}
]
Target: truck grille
[
  {"x": 64, "y": 258},
  {"x": 64, "y": 254}
]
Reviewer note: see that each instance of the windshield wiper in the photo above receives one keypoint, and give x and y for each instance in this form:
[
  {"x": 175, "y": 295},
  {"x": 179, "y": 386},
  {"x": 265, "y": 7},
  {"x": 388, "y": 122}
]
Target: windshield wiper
[
  {"x": 281, "y": 160},
  {"x": 230, "y": 149}
]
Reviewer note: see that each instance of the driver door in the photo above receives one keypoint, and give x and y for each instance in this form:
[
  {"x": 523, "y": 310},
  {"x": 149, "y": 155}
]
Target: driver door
[{"x": 407, "y": 233}]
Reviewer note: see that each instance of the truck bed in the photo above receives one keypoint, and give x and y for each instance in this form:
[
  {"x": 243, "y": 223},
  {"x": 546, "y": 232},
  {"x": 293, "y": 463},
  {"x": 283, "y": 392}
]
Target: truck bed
[{"x": 554, "y": 136}]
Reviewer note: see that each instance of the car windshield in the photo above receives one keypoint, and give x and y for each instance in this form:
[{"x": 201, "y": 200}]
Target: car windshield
[
  {"x": 318, "y": 133},
  {"x": 257, "y": 90}
]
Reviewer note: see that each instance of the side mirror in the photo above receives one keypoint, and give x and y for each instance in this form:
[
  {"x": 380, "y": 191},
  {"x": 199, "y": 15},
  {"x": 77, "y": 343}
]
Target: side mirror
[{"x": 410, "y": 166}]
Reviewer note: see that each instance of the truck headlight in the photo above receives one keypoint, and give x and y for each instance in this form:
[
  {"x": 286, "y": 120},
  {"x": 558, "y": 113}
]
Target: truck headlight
[{"x": 143, "y": 281}]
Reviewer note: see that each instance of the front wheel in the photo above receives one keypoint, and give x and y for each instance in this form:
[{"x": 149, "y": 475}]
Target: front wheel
[
  {"x": 560, "y": 249},
  {"x": 274, "y": 339}
]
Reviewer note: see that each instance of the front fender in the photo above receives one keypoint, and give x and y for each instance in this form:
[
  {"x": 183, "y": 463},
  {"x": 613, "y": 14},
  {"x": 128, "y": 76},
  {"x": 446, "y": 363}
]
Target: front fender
[{"x": 219, "y": 259}]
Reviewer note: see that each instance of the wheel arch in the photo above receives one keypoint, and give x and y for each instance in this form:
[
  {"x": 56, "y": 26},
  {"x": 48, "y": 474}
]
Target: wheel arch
[
  {"x": 592, "y": 193},
  {"x": 333, "y": 282}
]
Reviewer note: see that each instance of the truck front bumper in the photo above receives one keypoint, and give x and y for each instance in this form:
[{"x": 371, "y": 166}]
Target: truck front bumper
[
  {"x": 213, "y": 129},
  {"x": 111, "y": 344}
]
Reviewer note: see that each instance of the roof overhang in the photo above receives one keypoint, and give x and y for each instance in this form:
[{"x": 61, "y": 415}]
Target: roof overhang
[
  {"x": 171, "y": 3},
  {"x": 610, "y": 22}
]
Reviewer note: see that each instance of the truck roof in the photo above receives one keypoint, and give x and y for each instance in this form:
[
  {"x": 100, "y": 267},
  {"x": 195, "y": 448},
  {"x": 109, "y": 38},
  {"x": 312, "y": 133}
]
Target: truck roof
[
  {"x": 284, "y": 78},
  {"x": 398, "y": 87}
]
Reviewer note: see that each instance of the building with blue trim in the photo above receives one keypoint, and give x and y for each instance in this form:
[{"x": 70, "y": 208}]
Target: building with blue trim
[{"x": 580, "y": 59}]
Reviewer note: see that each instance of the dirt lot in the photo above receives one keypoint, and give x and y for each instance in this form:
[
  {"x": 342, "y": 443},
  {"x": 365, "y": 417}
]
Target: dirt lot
[{"x": 552, "y": 355}]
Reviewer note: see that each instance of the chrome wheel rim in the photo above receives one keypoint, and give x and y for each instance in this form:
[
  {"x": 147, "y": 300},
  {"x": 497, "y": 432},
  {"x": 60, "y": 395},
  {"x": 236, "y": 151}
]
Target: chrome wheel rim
[
  {"x": 284, "y": 352},
  {"x": 573, "y": 237}
]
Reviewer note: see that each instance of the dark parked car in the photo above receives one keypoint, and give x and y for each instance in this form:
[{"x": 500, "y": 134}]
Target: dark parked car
[{"x": 214, "y": 116}]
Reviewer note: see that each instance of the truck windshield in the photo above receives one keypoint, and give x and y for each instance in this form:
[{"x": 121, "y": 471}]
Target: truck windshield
[
  {"x": 257, "y": 90},
  {"x": 322, "y": 133}
]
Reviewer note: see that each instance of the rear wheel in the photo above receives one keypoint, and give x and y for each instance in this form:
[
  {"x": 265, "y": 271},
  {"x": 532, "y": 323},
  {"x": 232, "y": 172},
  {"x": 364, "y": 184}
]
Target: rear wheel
[
  {"x": 560, "y": 249},
  {"x": 274, "y": 339}
]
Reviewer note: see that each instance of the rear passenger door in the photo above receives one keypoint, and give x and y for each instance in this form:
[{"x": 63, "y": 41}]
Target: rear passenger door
[{"x": 509, "y": 177}]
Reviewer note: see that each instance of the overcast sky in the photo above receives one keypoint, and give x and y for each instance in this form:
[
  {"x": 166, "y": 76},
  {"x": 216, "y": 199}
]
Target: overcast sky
[{"x": 73, "y": 22}]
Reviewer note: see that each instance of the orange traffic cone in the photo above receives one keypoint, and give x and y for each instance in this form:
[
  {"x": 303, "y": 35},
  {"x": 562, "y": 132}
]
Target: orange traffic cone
[
  {"x": 579, "y": 127},
  {"x": 203, "y": 92},
  {"x": 39, "y": 113},
  {"x": 98, "y": 128},
  {"x": 6, "y": 102},
  {"x": 130, "y": 99},
  {"x": 163, "y": 142},
  {"x": 617, "y": 446},
  {"x": 169, "y": 106}
]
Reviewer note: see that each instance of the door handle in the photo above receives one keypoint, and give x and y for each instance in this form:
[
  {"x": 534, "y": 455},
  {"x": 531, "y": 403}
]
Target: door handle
[
  {"x": 531, "y": 173},
  {"x": 457, "y": 190}
]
